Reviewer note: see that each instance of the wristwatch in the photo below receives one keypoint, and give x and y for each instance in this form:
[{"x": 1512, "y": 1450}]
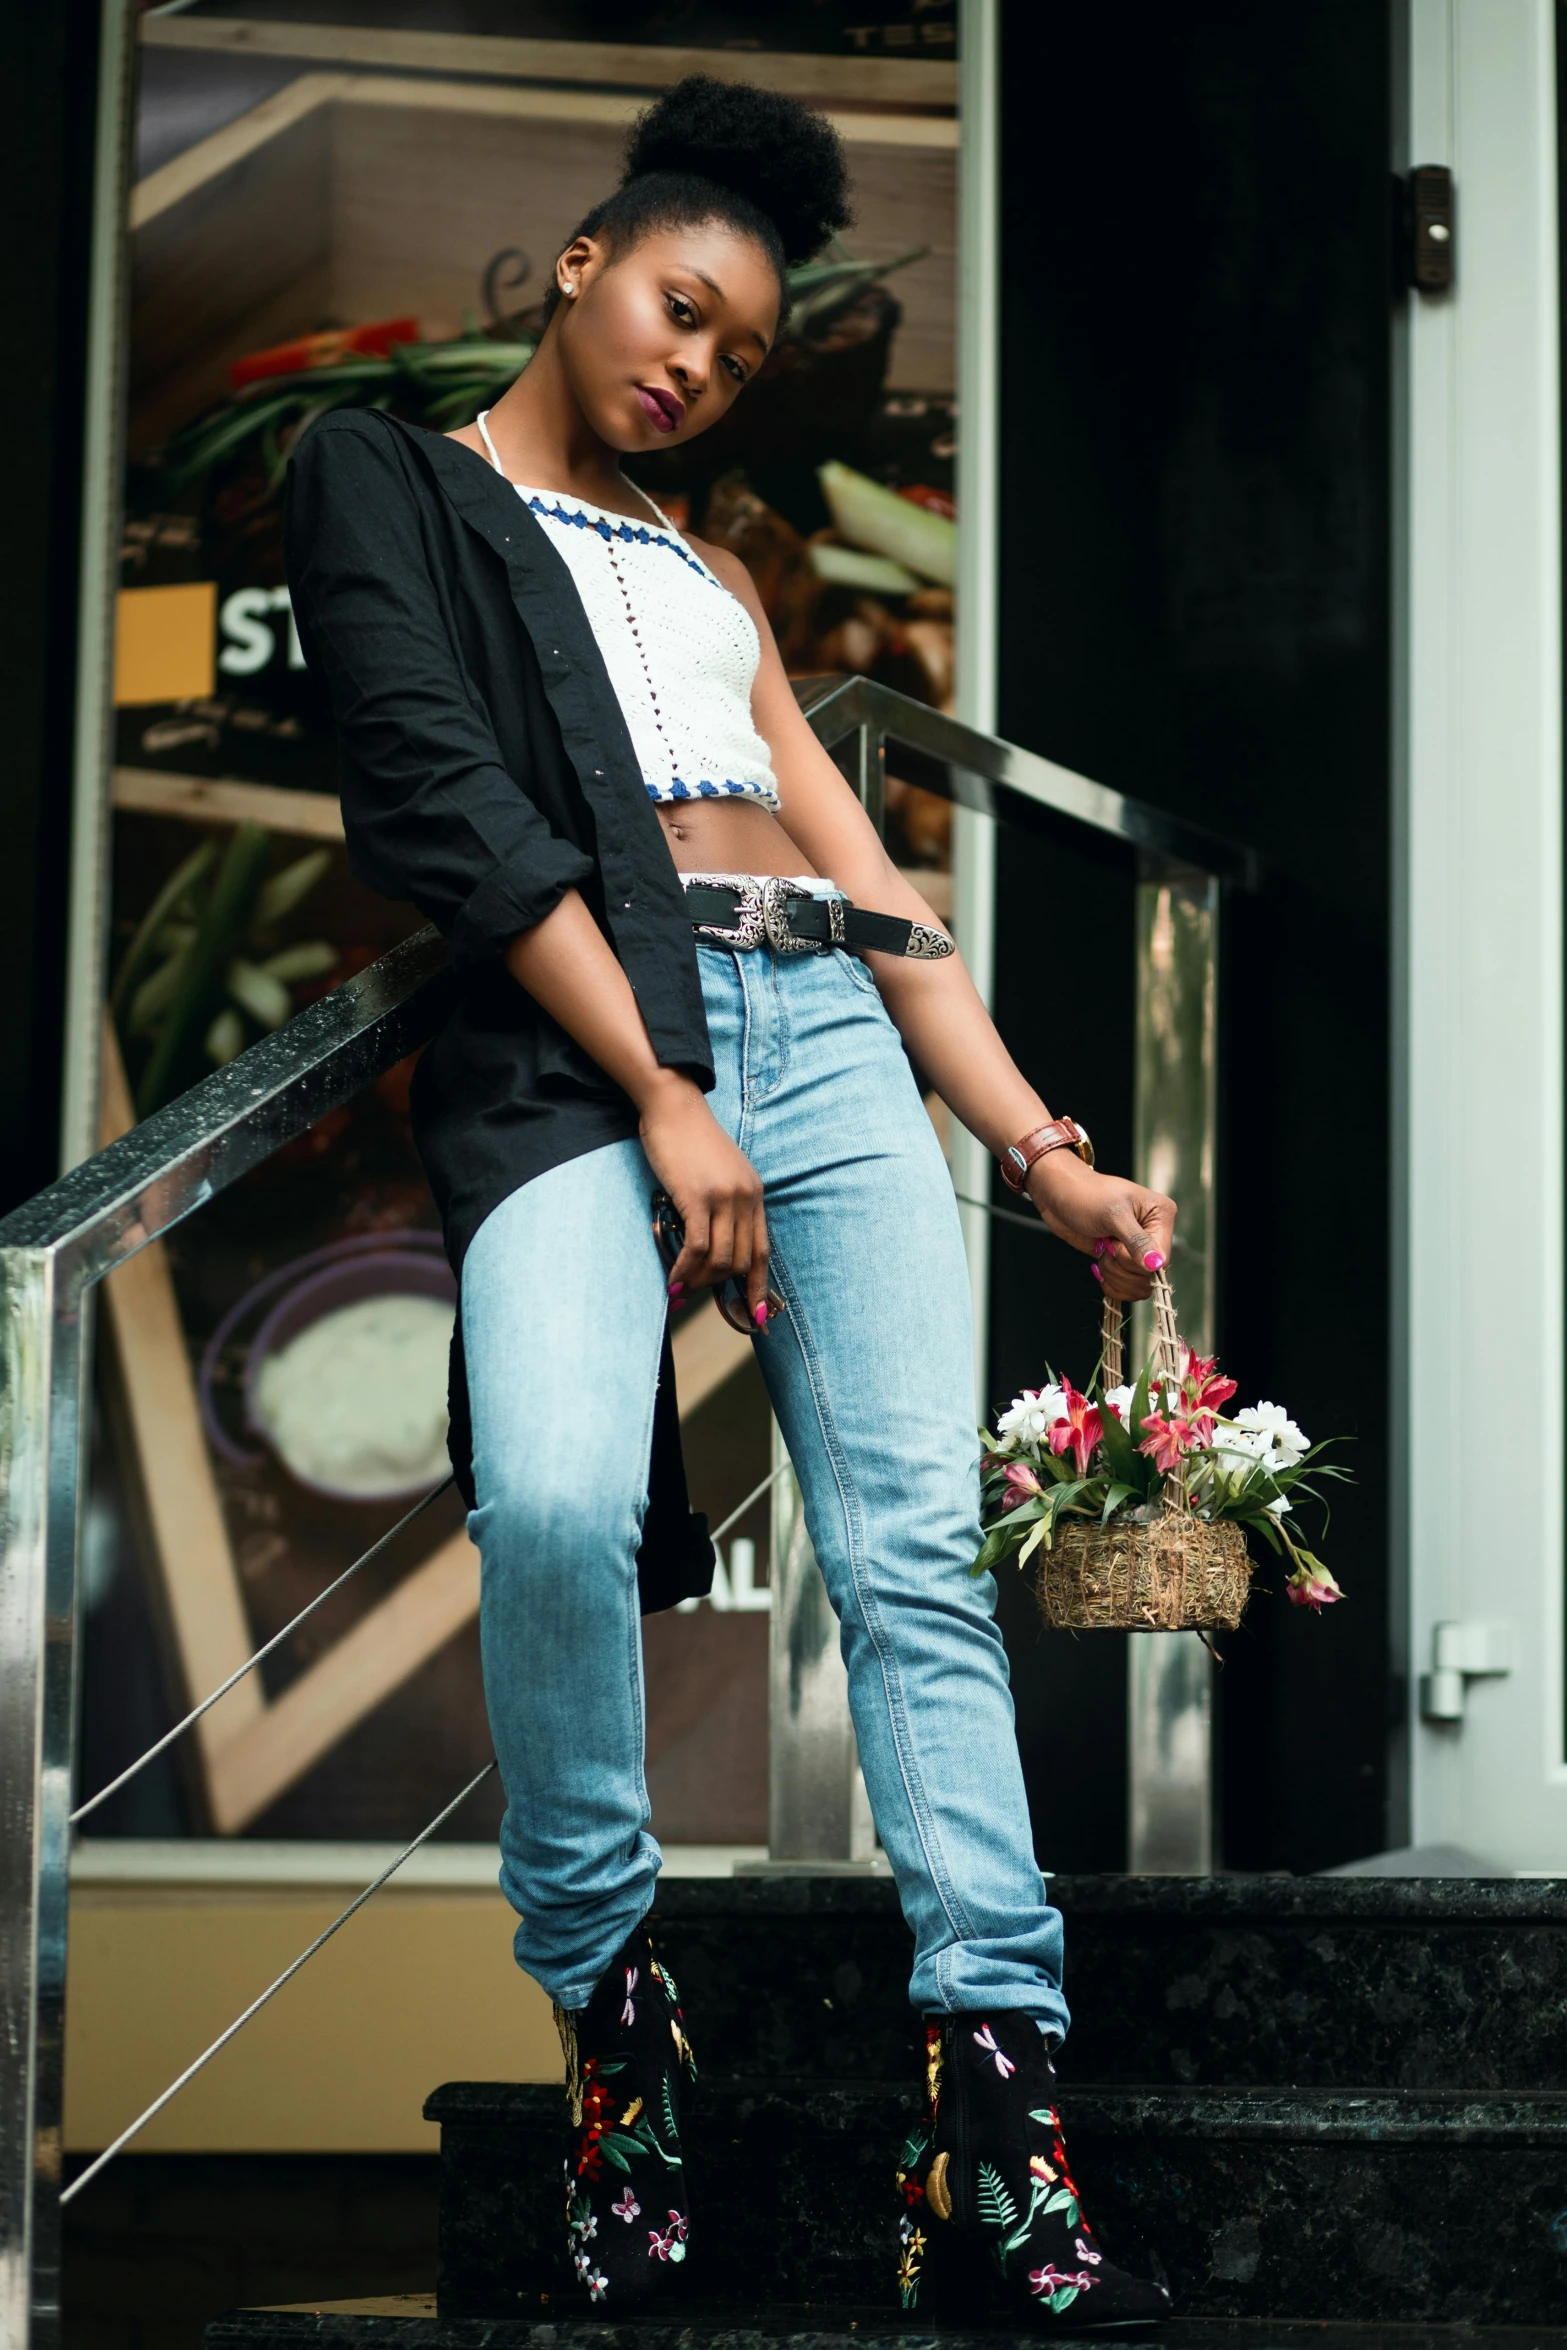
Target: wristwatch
[{"x": 1062, "y": 1134}]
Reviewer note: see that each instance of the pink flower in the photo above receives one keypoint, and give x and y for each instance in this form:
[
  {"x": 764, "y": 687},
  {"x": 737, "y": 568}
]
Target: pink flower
[
  {"x": 1050, "y": 2279},
  {"x": 1168, "y": 1440},
  {"x": 1022, "y": 1485},
  {"x": 1203, "y": 1388},
  {"x": 1312, "y": 1587},
  {"x": 628, "y": 2014},
  {"x": 1079, "y": 1431},
  {"x": 679, "y": 2225},
  {"x": 628, "y": 2208},
  {"x": 1091, "y": 2259}
]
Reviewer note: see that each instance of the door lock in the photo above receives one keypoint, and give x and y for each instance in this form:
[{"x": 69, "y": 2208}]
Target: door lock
[{"x": 1461, "y": 1653}]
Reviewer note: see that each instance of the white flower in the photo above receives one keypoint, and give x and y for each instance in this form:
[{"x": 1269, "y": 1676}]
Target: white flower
[
  {"x": 1245, "y": 1447},
  {"x": 1288, "y": 1443},
  {"x": 1030, "y": 1414},
  {"x": 1280, "y": 1505},
  {"x": 1120, "y": 1401}
]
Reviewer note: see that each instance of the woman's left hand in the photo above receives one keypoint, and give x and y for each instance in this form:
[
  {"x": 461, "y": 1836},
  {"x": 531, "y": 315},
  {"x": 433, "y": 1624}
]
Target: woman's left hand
[{"x": 1088, "y": 1210}]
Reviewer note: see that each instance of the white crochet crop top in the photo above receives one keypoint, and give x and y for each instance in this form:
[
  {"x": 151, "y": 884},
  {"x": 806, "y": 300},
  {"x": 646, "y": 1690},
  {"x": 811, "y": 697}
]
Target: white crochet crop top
[{"x": 681, "y": 650}]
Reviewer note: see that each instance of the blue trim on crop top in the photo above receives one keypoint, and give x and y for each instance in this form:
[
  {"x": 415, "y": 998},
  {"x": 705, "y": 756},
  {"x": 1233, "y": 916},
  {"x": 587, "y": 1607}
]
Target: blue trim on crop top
[{"x": 629, "y": 531}]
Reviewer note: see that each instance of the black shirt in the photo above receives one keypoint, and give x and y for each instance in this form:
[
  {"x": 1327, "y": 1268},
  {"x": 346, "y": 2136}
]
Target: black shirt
[{"x": 485, "y": 770}]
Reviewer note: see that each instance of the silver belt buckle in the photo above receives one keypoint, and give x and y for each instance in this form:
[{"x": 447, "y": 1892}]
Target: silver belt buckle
[
  {"x": 750, "y": 922},
  {"x": 775, "y": 896}
]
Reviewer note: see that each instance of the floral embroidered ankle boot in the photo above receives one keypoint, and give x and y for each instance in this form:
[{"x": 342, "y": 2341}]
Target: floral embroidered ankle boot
[
  {"x": 627, "y": 2216},
  {"x": 990, "y": 2207}
]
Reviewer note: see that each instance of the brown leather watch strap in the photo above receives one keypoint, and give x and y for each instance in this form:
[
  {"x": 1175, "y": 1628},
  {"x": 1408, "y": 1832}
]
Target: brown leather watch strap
[{"x": 1062, "y": 1134}]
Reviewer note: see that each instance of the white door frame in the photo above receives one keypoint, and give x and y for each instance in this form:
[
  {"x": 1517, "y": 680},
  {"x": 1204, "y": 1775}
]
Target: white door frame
[
  {"x": 978, "y": 597},
  {"x": 1477, "y": 937}
]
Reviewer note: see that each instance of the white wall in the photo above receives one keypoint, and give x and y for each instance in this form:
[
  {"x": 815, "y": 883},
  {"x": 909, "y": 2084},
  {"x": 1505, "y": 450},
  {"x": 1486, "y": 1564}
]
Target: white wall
[{"x": 1479, "y": 1293}]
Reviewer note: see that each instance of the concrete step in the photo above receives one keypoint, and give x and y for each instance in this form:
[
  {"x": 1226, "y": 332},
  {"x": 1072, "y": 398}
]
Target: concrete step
[
  {"x": 1370, "y": 2205},
  {"x": 1402, "y": 1983},
  {"x": 412, "y": 2324}
]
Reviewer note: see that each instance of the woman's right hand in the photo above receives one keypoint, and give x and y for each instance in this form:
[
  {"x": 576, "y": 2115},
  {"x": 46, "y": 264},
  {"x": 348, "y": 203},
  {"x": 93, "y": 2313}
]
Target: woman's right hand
[{"x": 716, "y": 1191}]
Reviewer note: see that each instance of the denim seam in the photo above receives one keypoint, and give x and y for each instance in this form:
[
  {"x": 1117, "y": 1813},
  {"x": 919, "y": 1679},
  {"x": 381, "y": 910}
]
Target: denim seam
[
  {"x": 745, "y": 1047},
  {"x": 634, "y": 1618},
  {"x": 913, "y": 1783},
  {"x": 753, "y": 1093}
]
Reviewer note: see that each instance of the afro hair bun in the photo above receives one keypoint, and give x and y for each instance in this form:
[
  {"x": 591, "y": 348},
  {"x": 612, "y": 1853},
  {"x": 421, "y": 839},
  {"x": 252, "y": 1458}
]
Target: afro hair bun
[{"x": 780, "y": 156}]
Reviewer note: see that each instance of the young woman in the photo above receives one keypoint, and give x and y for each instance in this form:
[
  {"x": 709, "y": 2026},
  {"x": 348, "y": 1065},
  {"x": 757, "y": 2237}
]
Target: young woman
[{"x": 685, "y": 965}]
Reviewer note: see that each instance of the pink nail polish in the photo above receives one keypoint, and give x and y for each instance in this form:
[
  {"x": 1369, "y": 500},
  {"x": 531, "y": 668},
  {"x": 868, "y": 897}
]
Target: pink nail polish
[
  {"x": 1153, "y": 1261},
  {"x": 760, "y": 1316},
  {"x": 677, "y": 1290},
  {"x": 1098, "y": 1276}
]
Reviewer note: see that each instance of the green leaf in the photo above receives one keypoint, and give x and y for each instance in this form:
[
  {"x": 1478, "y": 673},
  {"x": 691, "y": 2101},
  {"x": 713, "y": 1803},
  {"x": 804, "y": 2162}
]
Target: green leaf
[
  {"x": 225, "y": 1039},
  {"x": 1062, "y": 2200},
  {"x": 155, "y": 994},
  {"x": 167, "y": 902},
  {"x": 1059, "y": 1465},
  {"x": 1114, "y": 1497},
  {"x": 1062, "y": 2298},
  {"x": 257, "y": 992},
  {"x": 1019, "y": 2236},
  {"x": 1138, "y": 1411},
  {"x": 1119, "y": 1450},
  {"x": 612, "y": 2153},
  {"x": 312, "y": 958},
  {"x": 996, "y": 2207},
  {"x": 198, "y": 997},
  {"x": 283, "y": 892},
  {"x": 871, "y": 516},
  {"x": 1040, "y": 1534},
  {"x": 993, "y": 1549}
]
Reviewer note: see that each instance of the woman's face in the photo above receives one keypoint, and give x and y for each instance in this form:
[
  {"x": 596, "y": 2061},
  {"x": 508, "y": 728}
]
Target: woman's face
[{"x": 657, "y": 345}]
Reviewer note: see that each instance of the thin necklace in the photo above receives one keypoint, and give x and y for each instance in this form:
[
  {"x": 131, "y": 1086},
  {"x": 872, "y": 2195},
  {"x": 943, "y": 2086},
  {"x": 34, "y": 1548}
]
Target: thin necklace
[{"x": 482, "y": 421}]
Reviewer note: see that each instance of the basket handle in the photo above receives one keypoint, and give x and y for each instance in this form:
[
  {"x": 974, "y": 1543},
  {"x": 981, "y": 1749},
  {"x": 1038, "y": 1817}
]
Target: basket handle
[
  {"x": 1167, "y": 1343},
  {"x": 1168, "y": 1352}
]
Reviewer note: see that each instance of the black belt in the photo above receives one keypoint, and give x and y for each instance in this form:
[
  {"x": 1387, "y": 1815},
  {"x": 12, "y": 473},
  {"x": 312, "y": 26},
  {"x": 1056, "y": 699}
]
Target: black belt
[{"x": 777, "y": 913}]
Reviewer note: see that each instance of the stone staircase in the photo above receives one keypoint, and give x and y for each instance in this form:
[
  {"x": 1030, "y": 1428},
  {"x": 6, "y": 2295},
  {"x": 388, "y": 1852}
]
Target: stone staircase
[{"x": 1319, "y": 2102}]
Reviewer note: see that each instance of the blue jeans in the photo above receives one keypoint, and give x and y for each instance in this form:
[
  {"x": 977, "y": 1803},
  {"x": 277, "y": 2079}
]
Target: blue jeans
[{"x": 870, "y": 1374}]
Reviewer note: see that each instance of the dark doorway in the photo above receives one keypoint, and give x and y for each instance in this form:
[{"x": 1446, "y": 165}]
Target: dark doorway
[{"x": 1195, "y": 506}]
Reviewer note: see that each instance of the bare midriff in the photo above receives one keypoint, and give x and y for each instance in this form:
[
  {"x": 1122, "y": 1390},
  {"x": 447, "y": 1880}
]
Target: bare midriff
[{"x": 729, "y": 836}]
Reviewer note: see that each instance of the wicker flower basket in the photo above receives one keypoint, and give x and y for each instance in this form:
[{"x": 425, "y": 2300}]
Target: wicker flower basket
[{"x": 1173, "y": 1573}]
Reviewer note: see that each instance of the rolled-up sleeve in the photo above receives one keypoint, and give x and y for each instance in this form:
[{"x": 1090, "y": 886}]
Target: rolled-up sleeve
[{"x": 430, "y": 811}]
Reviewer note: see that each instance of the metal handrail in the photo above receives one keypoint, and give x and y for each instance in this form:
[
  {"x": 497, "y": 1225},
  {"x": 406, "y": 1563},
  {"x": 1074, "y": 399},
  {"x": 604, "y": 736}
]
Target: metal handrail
[
  {"x": 1001, "y": 779},
  {"x": 57, "y": 1246},
  {"x": 139, "y": 1187}
]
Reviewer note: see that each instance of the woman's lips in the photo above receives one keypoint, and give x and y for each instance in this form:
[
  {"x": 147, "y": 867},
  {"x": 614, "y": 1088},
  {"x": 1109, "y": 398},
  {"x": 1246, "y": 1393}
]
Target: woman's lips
[{"x": 663, "y": 409}]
